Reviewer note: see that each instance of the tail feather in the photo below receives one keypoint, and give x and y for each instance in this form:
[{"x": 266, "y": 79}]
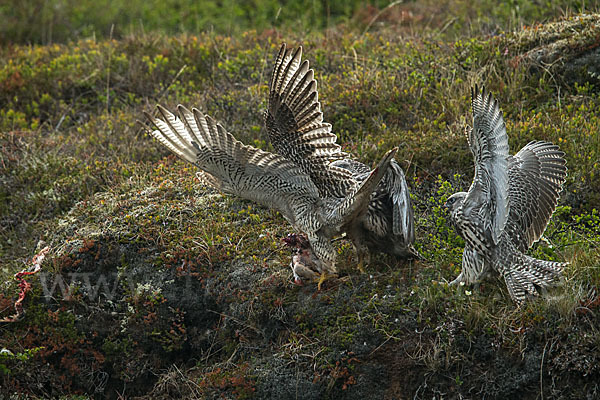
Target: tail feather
[
  {"x": 403, "y": 220},
  {"x": 527, "y": 275}
]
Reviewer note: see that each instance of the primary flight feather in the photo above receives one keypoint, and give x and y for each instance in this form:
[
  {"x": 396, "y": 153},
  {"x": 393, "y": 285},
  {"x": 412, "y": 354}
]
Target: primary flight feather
[
  {"x": 297, "y": 131},
  {"x": 508, "y": 205}
]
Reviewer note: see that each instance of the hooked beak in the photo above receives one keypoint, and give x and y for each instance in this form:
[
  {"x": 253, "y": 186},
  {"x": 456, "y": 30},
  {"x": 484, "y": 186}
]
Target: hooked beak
[{"x": 447, "y": 206}]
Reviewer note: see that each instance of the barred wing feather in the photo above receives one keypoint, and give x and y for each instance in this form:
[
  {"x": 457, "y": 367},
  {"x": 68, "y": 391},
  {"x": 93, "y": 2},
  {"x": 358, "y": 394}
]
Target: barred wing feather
[
  {"x": 355, "y": 204},
  {"x": 488, "y": 196},
  {"x": 536, "y": 175},
  {"x": 235, "y": 168},
  {"x": 403, "y": 221},
  {"x": 295, "y": 124}
]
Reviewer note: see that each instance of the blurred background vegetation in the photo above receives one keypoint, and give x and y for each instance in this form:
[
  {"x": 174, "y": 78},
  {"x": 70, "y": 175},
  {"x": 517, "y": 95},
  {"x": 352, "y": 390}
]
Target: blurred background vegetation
[{"x": 60, "y": 21}]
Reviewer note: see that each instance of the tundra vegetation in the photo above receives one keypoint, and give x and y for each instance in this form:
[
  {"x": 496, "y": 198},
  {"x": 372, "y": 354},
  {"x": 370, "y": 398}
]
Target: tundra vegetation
[{"x": 158, "y": 287}]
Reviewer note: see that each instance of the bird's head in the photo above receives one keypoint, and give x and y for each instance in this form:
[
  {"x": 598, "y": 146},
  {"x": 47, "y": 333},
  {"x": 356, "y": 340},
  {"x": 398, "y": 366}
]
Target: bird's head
[{"x": 454, "y": 202}]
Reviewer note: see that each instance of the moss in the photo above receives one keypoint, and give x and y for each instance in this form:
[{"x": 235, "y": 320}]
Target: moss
[{"x": 173, "y": 290}]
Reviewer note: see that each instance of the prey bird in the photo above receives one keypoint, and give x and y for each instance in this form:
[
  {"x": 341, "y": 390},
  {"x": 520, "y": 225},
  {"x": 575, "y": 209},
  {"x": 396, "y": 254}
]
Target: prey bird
[
  {"x": 296, "y": 130},
  {"x": 508, "y": 205},
  {"x": 304, "y": 263},
  {"x": 273, "y": 180}
]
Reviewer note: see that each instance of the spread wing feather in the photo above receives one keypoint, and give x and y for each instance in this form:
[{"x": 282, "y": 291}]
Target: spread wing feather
[
  {"x": 536, "y": 175},
  {"x": 487, "y": 199},
  {"x": 295, "y": 124},
  {"x": 235, "y": 168}
]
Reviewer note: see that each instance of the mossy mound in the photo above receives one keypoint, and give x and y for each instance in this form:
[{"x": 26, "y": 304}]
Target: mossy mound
[
  {"x": 136, "y": 294},
  {"x": 158, "y": 287},
  {"x": 567, "y": 50}
]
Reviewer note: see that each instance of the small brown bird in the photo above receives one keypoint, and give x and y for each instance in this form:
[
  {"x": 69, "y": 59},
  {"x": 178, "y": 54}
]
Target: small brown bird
[{"x": 305, "y": 265}]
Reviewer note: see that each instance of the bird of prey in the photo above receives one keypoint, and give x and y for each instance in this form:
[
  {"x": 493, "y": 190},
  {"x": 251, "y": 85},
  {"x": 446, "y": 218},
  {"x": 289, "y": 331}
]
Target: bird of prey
[
  {"x": 297, "y": 131},
  {"x": 321, "y": 204},
  {"x": 508, "y": 205}
]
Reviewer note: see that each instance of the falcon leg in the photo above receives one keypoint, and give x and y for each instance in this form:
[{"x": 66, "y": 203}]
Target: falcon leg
[
  {"x": 363, "y": 258},
  {"x": 322, "y": 279},
  {"x": 361, "y": 264}
]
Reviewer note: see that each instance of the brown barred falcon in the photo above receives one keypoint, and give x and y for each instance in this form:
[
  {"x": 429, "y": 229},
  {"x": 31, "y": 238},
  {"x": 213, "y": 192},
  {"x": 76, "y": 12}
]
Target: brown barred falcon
[
  {"x": 508, "y": 205},
  {"x": 272, "y": 179},
  {"x": 297, "y": 131}
]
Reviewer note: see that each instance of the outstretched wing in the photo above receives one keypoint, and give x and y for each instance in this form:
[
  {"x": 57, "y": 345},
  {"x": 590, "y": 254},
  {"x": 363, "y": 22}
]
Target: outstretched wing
[
  {"x": 231, "y": 166},
  {"x": 536, "y": 175},
  {"x": 295, "y": 124},
  {"x": 487, "y": 199}
]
